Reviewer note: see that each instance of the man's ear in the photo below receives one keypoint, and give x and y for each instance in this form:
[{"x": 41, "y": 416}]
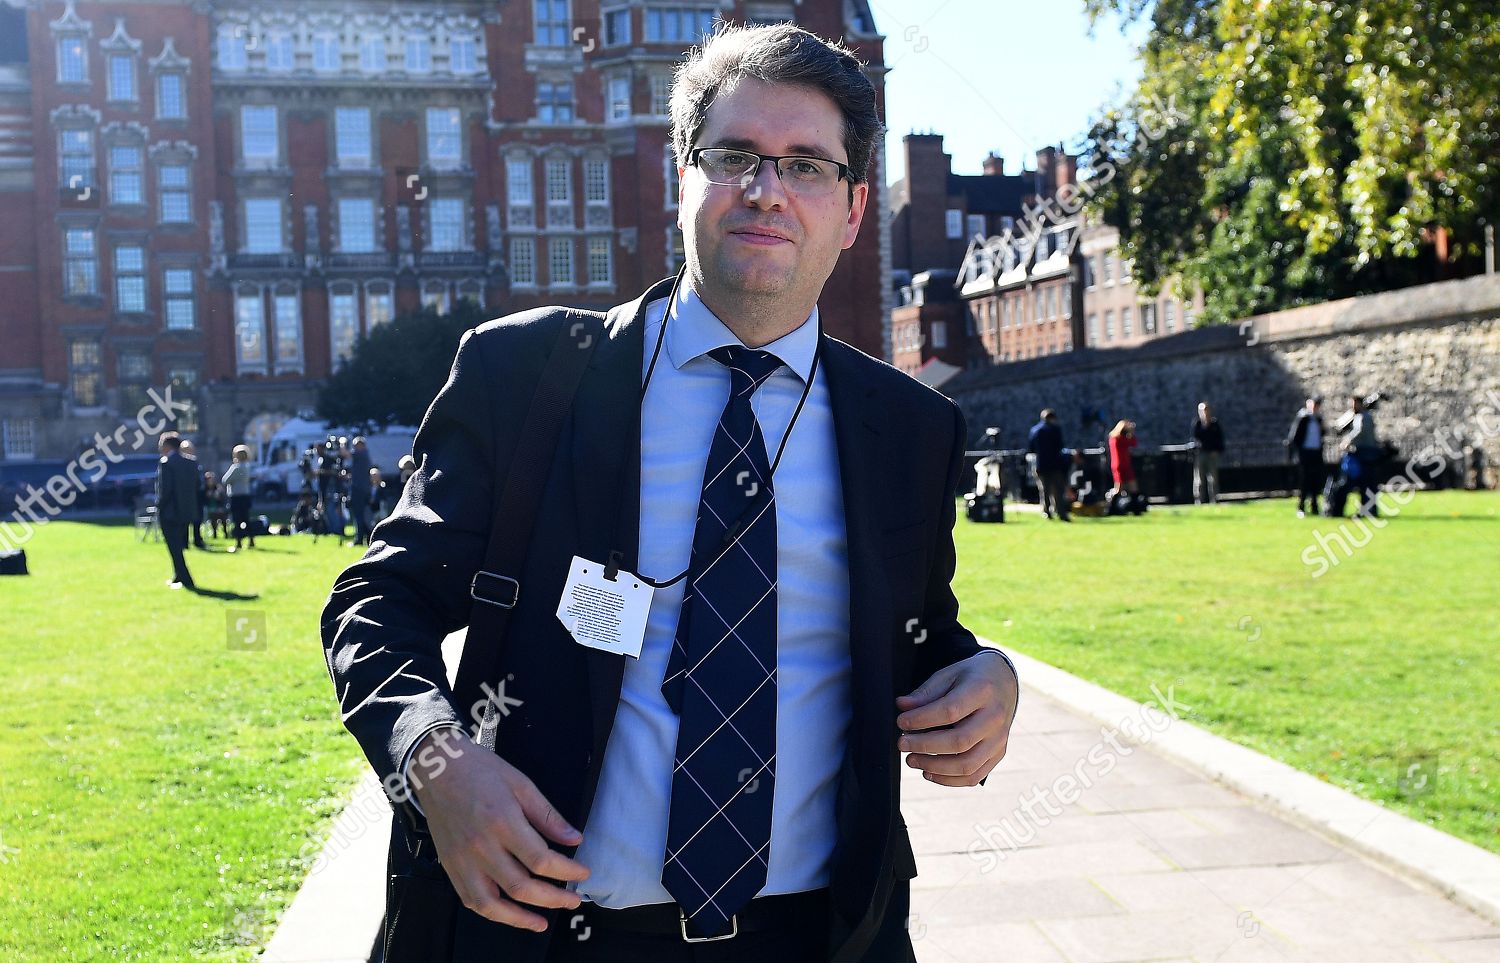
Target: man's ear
[{"x": 861, "y": 195}]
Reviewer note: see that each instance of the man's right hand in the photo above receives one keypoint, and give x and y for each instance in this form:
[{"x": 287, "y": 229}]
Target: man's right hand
[{"x": 487, "y": 820}]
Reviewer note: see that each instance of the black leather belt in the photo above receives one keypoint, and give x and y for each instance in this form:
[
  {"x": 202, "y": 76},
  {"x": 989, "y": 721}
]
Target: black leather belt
[{"x": 806, "y": 909}]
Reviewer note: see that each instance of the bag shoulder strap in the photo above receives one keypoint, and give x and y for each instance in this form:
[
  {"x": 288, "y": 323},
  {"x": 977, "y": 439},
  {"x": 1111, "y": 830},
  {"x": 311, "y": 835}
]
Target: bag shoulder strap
[{"x": 497, "y": 587}]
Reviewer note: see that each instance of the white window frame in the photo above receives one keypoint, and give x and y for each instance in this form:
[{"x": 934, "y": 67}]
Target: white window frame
[
  {"x": 454, "y": 239},
  {"x": 134, "y": 172},
  {"x": 523, "y": 262},
  {"x": 250, "y": 319},
  {"x": 255, "y": 133},
  {"x": 562, "y": 269},
  {"x": 954, "y": 223},
  {"x": 336, "y": 322},
  {"x": 286, "y": 328},
  {"x": 367, "y": 241},
  {"x": 112, "y": 81},
  {"x": 601, "y": 261},
  {"x": 251, "y": 223},
  {"x": 166, "y": 192},
  {"x": 442, "y": 160},
  {"x": 18, "y": 439},
  {"x": 130, "y": 276},
  {"x": 173, "y": 297},
  {"x": 66, "y": 47},
  {"x": 180, "y": 79},
  {"x": 83, "y": 258},
  {"x": 353, "y": 127},
  {"x": 548, "y": 30}
]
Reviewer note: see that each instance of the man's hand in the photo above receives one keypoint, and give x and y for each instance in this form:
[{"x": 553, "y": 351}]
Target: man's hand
[
  {"x": 487, "y": 820},
  {"x": 976, "y": 699}
]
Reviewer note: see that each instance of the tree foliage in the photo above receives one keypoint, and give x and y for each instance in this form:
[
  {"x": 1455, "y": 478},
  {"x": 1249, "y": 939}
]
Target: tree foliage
[
  {"x": 396, "y": 371},
  {"x": 1319, "y": 146}
]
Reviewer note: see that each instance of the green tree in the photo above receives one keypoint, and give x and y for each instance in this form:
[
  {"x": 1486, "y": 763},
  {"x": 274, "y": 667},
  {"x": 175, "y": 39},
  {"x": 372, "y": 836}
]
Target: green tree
[
  {"x": 396, "y": 371},
  {"x": 1319, "y": 149}
]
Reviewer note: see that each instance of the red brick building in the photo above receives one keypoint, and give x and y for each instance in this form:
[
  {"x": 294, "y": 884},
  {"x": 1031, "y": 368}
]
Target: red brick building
[{"x": 226, "y": 197}]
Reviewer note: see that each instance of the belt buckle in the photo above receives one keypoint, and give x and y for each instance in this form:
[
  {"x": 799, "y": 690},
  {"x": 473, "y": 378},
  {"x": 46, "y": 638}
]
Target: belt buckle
[
  {"x": 479, "y": 595},
  {"x": 734, "y": 929}
]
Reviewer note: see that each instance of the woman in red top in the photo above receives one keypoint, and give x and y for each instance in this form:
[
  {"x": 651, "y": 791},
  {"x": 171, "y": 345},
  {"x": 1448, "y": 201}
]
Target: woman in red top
[{"x": 1121, "y": 441}]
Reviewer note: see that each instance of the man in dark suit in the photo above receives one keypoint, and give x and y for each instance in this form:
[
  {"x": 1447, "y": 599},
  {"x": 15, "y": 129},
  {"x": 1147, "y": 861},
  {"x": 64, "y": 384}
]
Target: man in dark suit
[
  {"x": 1052, "y": 459},
  {"x": 1305, "y": 443},
  {"x": 176, "y": 503},
  {"x": 790, "y": 499}
]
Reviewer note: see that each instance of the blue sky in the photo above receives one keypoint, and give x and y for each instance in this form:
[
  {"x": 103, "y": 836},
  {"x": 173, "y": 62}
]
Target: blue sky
[{"x": 1010, "y": 76}]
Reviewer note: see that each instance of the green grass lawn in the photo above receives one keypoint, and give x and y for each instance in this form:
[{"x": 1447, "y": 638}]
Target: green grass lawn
[
  {"x": 1389, "y": 659},
  {"x": 161, "y": 787}
]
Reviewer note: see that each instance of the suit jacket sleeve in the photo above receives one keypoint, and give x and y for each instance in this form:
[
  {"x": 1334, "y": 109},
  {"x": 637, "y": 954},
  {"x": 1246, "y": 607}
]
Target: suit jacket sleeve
[
  {"x": 947, "y": 640},
  {"x": 385, "y": 621}
]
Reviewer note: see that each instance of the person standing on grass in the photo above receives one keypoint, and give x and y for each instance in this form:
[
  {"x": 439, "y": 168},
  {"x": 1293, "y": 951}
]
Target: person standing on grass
[
  {"x": 237, "y": 482},
  {"x": 359, "y": 491},
  {"x": 1362, "y": 445},
  {"x": 185, "y": 448},
  {"x": 1122, "y": 442},
  {"x": 176, "y": 503},
  {"x": 1046, "y": 444},
  {"x": 1305, "y": 443},
  {"x": 736, "y": 788},
  {"x": 1208, "y": 445}
]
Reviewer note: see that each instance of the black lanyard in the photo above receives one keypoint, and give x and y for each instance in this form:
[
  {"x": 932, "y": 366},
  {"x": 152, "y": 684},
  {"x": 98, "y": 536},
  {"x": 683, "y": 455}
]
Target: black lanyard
[{"x": 732, "y": 532}]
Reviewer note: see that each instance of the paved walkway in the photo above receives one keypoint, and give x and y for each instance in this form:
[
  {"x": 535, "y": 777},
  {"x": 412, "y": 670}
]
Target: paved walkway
[
  {"x": 1125, "y": 856},
  {"x": 1149, "y": 862}
]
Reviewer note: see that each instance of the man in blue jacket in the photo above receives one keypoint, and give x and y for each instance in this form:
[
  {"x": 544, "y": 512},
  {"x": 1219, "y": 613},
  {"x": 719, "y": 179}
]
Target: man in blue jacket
[{"x": 1046, "y": 444}]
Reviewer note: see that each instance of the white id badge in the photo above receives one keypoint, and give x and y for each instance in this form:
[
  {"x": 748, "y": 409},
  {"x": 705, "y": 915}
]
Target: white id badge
[{"x": 604, "y": 614}]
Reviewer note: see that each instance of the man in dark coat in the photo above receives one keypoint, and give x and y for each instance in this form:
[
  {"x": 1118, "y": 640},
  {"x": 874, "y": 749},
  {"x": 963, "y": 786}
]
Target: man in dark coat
[
  {"x": 1305, "y": 443},
  {"x": 176, "y": 503},
  {"x": 1052, "y": 463}
]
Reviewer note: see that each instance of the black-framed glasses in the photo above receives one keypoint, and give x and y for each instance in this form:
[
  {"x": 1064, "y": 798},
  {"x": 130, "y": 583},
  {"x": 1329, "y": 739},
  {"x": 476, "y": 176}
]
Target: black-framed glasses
[{"x": 800, "y": 175}]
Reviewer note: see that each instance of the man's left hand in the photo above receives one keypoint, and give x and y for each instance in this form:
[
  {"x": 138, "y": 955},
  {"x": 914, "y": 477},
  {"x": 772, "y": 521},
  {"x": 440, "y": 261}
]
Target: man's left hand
[{"x": 976, "y": 700}]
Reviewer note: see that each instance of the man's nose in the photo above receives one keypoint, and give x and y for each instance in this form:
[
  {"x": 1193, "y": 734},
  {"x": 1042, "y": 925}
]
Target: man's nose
[{"x": 765, "y": 190}]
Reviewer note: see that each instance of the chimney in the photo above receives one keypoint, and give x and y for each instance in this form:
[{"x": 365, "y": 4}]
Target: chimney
[
  {"x": 1044, "y": 170},
  {"x": 994, "y": 165}
]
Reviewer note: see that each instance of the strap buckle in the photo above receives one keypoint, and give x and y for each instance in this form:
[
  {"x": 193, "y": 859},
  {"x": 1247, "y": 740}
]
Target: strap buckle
[
  {"x": 734, "y": 929},
  {"x": 492, "y": 593}
]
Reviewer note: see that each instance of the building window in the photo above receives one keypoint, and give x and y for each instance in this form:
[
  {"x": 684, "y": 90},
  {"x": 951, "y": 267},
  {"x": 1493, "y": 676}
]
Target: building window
[
  {"x": 84, "y": 363},
  {"x": 955, "y": 224},
  {"x": 19, "y": 438},
  {"x": 596, "y": 181},
  {"x": 976, "y": 225},
  {"x": 672, "y": 178},
  {"x": 616, "y": 27},
  {"x": 1109, "y": 268},
  {"x": 352, "y": 137},
  {"x": 171, "y": 99},
  {"x": 72, "y": 60},
  {"x": 1065, "y": 299},
  {"x": 134, "y": 369},
  {"x": 343, "y": 324},
  {"x": 661, "y": 94},
  {"x": 1093, "y": 329},
  {"x": 939, "y": 334},
  {"x": 447, "y": 233},
  {"x": 554, "y": 101},
  {"x": 444, "y": 141},
  {"x": 259, "y": 140},
  {"x": 281, "y": 55},
  {"x": 681, "y": 25},
  {"x": 551, "y": 19},
  {"x": 461, "y": 55},
  {"x": 80, "y": 262},
  {"x": 601, "y": 261},
  {"x": 184, "y": 382},
  {"x": 250, "y": 331},
  {"x": 560, "y": 261},
  {"x": 263, "y": 225},
  {"x": 232, "y": 47},
  {"x": 356, "y": 225},
  {"x": 617, "y": 106},
  {"x": 326, "y": 52},
  {"x": 1090, "y": 278},
  {"x": 75, "y": 147},
  {"x": 287, "y": 305},
  {"x": 372, "y": 54},
  {"x": 177, "y": 299},
  {"x": 173, "y": 194},
  {"x": 435, "y": 296},
  {"x": 522, "y": 262},
  {"x": 125, "y": 175},
  {"x": 1050, "y": 303},
  {"x": 559, "y": 182},
  {"x": 1036, "y": 305},
  {"x": 130, "y": 279},
  {"x": 519, "y": 189},
  {"x": 418, "y": 54},
  {"x": 379, "y": 306},
  {"x": 1148, "y": 318},
  {"x": 1169, "y": 315},
  {"x": 1127, "y": 323},
  {"x": 121, "y": 77},
  {"x": 1109, "y": 325}
]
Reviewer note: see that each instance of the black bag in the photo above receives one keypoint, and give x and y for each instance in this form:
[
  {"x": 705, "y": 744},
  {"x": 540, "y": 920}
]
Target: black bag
[
  {"x": 13, "y": 562},
  {"x": 422, "y": 910}
]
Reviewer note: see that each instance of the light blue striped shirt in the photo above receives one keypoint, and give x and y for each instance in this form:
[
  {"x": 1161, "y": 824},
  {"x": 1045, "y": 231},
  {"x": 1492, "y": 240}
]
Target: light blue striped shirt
[{"x": 626, "y": 832}]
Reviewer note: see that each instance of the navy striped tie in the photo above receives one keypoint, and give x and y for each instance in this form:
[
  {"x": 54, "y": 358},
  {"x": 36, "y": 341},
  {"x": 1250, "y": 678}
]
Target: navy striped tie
[{"x": 721, "y": 677}]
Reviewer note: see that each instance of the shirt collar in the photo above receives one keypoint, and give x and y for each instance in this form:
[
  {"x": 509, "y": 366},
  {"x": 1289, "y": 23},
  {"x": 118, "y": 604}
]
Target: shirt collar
[{"x": 694, "y": 330}]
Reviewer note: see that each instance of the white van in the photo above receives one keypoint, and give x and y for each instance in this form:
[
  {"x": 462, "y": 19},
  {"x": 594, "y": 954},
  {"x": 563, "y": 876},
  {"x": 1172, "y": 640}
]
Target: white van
[{"x": 278, "y": 473}]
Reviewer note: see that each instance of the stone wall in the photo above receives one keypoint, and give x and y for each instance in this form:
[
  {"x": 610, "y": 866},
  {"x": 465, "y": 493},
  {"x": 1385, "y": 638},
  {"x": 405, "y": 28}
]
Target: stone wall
[{"x": 1433, "y": 350}]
